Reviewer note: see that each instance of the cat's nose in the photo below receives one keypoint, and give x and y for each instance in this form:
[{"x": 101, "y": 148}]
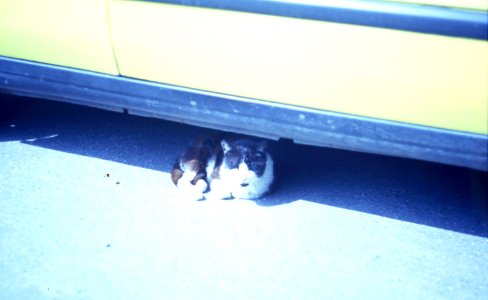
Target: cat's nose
[{"x": 244, "y": 184}]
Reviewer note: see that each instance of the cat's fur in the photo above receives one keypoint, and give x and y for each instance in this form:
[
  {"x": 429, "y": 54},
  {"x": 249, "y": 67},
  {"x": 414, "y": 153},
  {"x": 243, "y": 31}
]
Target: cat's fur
[{"x": 223, "y": 168}]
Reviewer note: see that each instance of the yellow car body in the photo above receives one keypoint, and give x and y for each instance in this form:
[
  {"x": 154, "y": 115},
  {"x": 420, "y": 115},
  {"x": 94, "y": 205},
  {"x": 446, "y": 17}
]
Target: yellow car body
[{"x": 403, "y": 78}]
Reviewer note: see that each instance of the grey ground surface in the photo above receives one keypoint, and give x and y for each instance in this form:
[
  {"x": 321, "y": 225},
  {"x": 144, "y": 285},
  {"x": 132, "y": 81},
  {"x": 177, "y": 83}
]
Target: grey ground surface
[{"x": 88, "y": 211}]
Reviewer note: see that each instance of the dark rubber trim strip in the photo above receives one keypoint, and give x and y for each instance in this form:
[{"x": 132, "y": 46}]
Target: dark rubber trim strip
[
  {"x": 250, "y": 116},
  {"x": 400, "y": 16}
]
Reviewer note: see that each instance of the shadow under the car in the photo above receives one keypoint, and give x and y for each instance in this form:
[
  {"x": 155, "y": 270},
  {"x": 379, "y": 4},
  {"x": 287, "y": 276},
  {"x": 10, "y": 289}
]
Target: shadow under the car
[{"x": 413, "y": 191}]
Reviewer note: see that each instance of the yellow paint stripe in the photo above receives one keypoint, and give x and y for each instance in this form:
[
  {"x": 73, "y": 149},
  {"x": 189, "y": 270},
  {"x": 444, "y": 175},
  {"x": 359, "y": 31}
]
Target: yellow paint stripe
[{"x": 402, "y": 76}]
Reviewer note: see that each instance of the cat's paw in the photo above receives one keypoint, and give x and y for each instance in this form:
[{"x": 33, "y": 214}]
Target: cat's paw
[
  {"x": 213, "y": 195},
  {"x": 189, "y": 191},
  {"x": 201, "y": 186},
  {"x": 218, "y": 190},
  {"x": 249, "y": 192},
  {"x": 219, "y": 193}
]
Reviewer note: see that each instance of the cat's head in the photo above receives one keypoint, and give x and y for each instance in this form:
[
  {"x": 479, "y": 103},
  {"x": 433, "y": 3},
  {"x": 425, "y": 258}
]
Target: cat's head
[{"x": 245, "y": 160}]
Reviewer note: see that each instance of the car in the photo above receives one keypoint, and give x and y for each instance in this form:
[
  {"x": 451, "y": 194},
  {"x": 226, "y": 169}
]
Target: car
[{"x": 402, "y": 78}]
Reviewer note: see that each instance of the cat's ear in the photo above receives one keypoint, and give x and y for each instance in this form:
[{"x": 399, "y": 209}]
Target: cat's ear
[
  {"x": 225, "y": 146},
  {"x": 261, "y": 146}
]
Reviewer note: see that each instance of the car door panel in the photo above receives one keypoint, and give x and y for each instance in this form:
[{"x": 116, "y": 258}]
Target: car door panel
[{"x": 410, "y": 77}]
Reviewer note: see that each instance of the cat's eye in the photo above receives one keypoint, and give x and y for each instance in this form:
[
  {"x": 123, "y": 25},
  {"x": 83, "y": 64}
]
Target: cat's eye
[
  {"x": 259, "y": 156},
  {"x": 256, "y": 166}
]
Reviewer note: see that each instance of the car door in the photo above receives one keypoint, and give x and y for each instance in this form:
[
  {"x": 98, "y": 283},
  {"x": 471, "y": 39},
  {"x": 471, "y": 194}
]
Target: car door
[{"x": 385, "y": 60}]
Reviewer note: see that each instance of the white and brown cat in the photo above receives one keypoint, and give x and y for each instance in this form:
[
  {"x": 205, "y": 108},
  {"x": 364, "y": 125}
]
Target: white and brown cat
[{"x": 224, "y": 167}]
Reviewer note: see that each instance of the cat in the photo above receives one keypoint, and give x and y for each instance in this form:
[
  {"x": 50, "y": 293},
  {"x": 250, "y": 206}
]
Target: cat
[{"x": 224, "y": 167}]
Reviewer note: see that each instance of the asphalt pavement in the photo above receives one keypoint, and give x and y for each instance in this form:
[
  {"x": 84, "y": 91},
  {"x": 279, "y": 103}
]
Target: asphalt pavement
[{"x": 88, "y": 211}]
